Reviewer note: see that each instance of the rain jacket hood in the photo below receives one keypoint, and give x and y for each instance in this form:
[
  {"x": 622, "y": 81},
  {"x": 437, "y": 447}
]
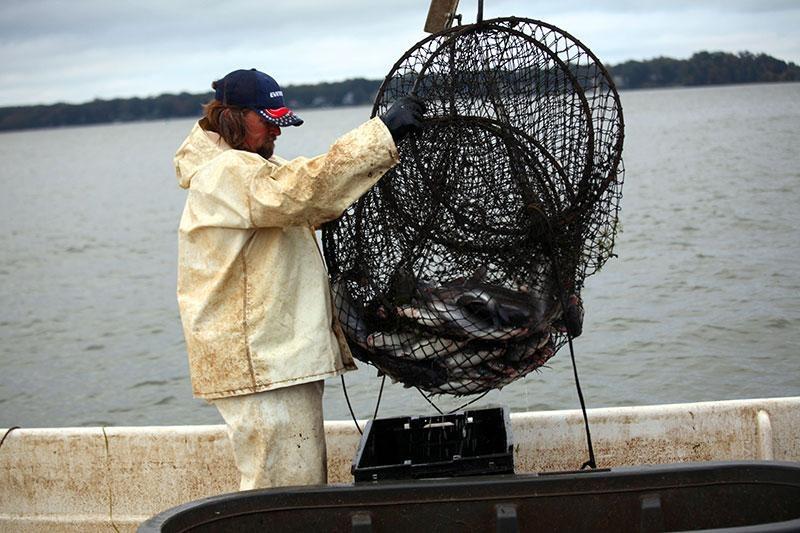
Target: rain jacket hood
[
  {"x": 203, "y": 148},
  {"x": 252, "y": 286}
]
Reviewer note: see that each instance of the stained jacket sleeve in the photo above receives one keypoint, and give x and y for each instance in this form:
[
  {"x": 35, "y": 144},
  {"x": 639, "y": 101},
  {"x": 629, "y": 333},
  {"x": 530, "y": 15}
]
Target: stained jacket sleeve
[{"x": 309, "y": 192}]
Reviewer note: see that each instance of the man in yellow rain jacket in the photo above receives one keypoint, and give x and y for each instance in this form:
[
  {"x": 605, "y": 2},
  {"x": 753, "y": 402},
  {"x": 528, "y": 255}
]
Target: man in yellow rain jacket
[{"x": 252, "y": 288}]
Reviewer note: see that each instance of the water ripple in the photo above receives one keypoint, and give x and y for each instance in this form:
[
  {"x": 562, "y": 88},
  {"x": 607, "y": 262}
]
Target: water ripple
[{"x": 702, "y": 302}]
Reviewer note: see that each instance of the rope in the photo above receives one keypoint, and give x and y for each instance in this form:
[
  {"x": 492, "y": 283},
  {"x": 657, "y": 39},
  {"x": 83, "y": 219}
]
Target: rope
[
  {"x": 378, "y": 403},
  {"x": 429, "y": 401},
  {"x": 590, "y": 463},
  {"x": 350, "y": 406},
  {"x": 9, "y": 430},
  {"x": 470, "y": 402},
  {"x": 352, "y": 414}
]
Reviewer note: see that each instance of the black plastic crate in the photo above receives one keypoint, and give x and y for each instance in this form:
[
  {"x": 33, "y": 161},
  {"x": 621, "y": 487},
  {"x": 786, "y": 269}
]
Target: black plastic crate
[{"x": 461, "y": 444}]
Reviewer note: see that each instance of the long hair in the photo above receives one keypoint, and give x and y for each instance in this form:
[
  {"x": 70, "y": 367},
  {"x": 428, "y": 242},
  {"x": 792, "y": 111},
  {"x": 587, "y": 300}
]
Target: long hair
[{"x": 228, "y": 121}]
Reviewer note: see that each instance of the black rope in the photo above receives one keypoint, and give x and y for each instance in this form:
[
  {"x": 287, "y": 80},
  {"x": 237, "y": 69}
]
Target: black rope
[
  {"x": 350, "y": 406},
  {"x": 346, "y": 397},
  {"x": 9, "y": 430},
  {"x": 564, "y": 302},
  {"x": 591, "y": 462},
  {"x": 429, "y": 401},
  {"x": 470, "y": 402},
  {"x": 378, "y": 403}
]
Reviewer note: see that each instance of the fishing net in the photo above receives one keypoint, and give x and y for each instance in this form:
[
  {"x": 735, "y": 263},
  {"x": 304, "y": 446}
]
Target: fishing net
[{"x": 461, "y": 270}]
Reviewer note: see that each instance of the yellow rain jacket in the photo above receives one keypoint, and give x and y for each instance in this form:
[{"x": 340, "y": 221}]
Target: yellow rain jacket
[{"x": 253, "y": 292}]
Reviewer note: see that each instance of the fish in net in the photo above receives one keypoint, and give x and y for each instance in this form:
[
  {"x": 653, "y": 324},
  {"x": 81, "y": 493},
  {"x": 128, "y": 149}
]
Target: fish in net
[{"x": 461, "y": 270}]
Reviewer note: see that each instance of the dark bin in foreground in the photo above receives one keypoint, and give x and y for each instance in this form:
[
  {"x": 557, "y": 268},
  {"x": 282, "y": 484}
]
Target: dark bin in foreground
[
  {"x": 462, "y": 444},
  {"x": 755, "y": 496}
]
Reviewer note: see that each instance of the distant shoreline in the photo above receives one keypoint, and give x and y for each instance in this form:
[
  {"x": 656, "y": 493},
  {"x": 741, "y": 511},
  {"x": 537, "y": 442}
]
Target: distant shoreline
[{"x": 702, "y": 69}]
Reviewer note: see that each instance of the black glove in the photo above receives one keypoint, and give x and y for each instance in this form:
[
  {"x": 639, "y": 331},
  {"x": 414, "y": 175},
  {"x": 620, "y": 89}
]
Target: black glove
[{"x": 404, "y": 116}]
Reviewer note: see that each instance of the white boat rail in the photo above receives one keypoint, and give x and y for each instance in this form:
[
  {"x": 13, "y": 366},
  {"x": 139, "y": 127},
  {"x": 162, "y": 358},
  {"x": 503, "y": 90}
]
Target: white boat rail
[{"x": 113, "y": 478}]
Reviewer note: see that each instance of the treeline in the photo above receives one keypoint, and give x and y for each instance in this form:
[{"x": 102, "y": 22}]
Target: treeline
[
  {"x": 102, "y": 111},
  {"x": 350, "y": 92},
  {"x": 703, "y": 68}
]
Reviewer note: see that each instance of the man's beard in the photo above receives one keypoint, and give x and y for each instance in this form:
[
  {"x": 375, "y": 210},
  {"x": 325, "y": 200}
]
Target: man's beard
[{"x": 267, "y": 149}]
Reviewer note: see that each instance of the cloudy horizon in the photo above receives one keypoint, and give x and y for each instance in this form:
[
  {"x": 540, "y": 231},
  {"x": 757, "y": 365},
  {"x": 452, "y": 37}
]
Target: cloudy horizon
[{"x": 59, "y": 51}]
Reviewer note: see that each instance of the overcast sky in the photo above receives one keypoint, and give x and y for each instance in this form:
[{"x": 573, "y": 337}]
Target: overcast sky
[{"x": 79, "y": 50}]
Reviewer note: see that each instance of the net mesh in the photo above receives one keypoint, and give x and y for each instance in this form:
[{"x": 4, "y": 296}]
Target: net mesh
[{"x": 455, "y": 272}]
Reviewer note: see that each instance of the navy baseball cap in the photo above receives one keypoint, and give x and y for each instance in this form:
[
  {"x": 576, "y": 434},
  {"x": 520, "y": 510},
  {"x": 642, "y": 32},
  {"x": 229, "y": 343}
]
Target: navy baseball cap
[{"x": 255, "y": 90}]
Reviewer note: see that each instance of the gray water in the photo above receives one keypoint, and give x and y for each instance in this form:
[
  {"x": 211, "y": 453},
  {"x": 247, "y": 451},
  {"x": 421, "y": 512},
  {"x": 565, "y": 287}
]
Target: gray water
[{"x": 703, "y": 302}]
